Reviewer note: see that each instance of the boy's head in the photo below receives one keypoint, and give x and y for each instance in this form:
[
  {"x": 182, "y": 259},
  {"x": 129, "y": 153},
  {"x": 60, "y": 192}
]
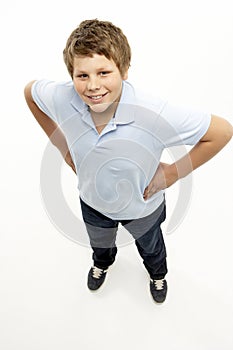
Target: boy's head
[{"x": 98, "y": 37}]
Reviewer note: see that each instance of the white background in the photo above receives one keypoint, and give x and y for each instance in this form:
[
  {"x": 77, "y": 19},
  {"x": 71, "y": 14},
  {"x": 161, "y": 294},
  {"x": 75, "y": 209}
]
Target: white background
[{"x": 182, "y": 51}]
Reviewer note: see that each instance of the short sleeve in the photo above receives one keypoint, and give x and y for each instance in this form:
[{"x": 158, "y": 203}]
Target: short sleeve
[
  {"x": 182, "y": 125},
  {"x": 43, "y": 92}
]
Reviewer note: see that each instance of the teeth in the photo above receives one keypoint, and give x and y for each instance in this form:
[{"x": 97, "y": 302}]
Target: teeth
[{"x": 96, "y": 97}]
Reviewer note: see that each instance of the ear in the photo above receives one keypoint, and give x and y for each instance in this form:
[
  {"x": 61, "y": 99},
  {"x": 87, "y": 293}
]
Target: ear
[{"x": 125, "y": 75}]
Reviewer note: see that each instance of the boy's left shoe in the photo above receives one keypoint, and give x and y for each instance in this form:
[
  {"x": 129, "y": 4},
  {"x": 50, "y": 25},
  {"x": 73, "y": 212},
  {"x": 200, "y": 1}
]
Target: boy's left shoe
[
  {"x": 158, "y": 289},
  {"x": 96, "y": 278}
]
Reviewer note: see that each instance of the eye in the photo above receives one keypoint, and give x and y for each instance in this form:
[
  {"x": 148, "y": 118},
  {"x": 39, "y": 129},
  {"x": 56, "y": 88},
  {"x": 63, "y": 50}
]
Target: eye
[
  {"x": 82, "y": 76},
  {"x": 103, "y": 73}
]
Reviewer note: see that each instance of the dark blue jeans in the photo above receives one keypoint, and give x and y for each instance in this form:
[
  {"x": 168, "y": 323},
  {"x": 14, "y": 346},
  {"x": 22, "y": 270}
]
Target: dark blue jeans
[{"x": 146, "y": 232}]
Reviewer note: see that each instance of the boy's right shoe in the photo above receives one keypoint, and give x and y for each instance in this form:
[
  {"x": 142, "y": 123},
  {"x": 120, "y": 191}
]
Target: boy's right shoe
[
  {"x": 158, "y": 289},
  {"x": 96, "y": 278}
]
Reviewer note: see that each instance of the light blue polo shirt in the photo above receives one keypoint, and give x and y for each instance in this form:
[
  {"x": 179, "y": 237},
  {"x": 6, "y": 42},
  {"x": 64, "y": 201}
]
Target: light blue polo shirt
[{"x": 114, "y": 167}]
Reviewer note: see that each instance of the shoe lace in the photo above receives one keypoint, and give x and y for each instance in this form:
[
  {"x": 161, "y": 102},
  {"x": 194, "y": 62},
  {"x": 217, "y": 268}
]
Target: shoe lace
[
  {"x": 158, "y": 284},
  {"x": 96, "y": 272}
]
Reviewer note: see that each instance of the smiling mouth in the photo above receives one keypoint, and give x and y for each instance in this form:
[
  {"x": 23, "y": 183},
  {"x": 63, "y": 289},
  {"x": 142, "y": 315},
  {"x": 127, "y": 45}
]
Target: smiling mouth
[{"x": 97, "y": 97}]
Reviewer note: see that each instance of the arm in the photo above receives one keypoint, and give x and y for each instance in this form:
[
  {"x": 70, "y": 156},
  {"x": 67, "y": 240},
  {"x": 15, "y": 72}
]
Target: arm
[
  {"x": 217, "y": 136},
  {"x": 51, "y": 129}
]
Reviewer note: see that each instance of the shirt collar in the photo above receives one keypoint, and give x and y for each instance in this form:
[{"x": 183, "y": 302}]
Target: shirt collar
[
  {"x": 125, "y": 109},
  {"x": 77, "y": 103}
]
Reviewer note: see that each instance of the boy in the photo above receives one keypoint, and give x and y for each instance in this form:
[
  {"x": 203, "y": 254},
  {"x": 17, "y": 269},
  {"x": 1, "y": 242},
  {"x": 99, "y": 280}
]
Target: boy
[{"x": 112, "y": 136}]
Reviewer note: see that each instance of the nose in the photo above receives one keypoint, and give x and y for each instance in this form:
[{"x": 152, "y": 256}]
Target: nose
[{"x": 93, "y": 83}]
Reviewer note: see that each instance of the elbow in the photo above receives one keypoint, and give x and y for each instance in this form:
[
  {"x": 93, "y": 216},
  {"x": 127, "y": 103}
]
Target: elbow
[
  {"x": 27, "y": 91},
  {"x": 228, "y": 131},
  {"x": 222, "y": 129},
  {"x": 231, "y": 131}
]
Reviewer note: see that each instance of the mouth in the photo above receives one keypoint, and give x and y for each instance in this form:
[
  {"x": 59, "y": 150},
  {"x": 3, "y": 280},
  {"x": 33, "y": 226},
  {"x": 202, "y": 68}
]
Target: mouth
[{"x": 96, "y": 98}]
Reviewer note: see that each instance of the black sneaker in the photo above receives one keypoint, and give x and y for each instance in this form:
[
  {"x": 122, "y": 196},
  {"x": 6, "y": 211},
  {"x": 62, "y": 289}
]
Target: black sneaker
[
  {"x": 158, "y": 289},
  {"x": 96, "y": 278}
]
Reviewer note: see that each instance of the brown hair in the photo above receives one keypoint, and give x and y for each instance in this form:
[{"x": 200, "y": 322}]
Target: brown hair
[{"x": 100, "y": 37}]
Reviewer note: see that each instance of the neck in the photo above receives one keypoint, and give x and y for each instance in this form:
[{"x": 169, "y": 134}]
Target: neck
[{"x": 102, "y": 118}]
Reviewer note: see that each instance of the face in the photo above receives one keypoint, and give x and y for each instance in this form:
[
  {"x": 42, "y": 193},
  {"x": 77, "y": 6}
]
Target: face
[{"x": 98, "y": 81}]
